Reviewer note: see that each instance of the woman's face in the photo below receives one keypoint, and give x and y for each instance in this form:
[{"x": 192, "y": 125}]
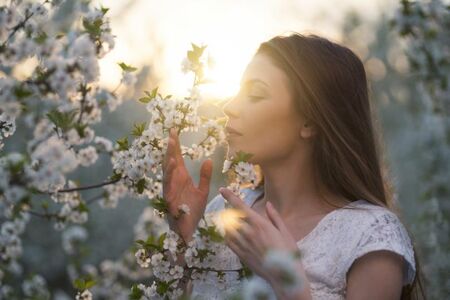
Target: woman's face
[{"x": 262, "y": 119}]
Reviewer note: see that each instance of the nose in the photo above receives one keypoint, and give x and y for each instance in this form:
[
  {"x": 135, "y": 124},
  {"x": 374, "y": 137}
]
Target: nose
[{"x": 231, "y": 108}]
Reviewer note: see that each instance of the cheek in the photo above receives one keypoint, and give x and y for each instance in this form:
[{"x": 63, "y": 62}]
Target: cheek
[{"x": 269, "y": 133}]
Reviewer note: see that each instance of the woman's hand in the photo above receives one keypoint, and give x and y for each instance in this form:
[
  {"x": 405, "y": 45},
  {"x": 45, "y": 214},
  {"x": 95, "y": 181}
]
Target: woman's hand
[
  {"x": 257, "y": 235},
  {"x": 179, "y": 189}
]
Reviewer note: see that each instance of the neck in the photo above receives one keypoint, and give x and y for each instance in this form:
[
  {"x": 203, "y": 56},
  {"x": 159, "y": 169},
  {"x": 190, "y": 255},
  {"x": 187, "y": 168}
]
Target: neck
[{"x": 289, "y": 185}]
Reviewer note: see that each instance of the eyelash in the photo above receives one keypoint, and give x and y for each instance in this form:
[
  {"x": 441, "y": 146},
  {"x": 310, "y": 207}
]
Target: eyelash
[{"x": 255, "y": 98}]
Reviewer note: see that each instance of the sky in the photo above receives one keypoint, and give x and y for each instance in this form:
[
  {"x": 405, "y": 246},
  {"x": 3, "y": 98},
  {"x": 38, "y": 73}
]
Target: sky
[{"x": 162, "y": 32}]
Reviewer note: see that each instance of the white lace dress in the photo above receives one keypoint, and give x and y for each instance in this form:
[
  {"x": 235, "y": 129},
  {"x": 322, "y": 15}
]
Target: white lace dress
[{"x": 328, "y": 250}]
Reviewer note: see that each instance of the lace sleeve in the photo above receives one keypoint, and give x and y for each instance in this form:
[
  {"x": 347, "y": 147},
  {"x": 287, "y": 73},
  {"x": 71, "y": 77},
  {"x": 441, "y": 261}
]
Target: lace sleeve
[{"x": 384, "y": 231}]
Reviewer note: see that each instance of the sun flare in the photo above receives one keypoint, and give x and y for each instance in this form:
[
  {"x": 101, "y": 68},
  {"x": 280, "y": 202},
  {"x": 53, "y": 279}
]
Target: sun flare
[{"x": 229, "y": 219}]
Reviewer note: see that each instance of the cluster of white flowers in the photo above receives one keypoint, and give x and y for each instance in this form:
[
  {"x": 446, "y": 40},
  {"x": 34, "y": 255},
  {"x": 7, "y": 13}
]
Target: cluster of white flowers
[
  {"x": 160, "y": 253},
  {"x": 139, "y": 163},
  {"x": 283, "y": 264},
  {"x": 424, "y": 31},
  {"x": 244, "y": 174},
  {"x": 10, "y": 242},
  {"x": 51, "y": 160},
  {"x": 71, "y": 237},
  {"x": 255, "y": 289},
  {"x": 73, "y": 208},
  {"x": 113, "y": 193},
  {"x": 59, "y": 102},
  {"x": 103, "y": 144},
  {"x": 87, "y": 156},
  {"x": 149, "y": 292},
  {"x": 202, "y": 244},
  {"x": 150, "y": 223},
  {"x": 425, "y": 27},
  {"x": 36, "y": 288}
]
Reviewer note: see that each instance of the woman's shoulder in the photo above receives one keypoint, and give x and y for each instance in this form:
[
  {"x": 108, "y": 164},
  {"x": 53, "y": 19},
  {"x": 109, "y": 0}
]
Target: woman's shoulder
[{"x": 373, "y": 228}]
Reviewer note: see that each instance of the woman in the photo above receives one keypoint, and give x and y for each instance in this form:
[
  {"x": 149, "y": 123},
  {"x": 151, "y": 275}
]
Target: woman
[{"x": 303, "y": 112}]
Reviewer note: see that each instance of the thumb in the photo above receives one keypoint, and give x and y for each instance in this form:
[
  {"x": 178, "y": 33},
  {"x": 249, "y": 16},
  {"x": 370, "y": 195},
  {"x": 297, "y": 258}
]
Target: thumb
[
  {"x": 275, "y": 217},
  {"x": 205, "y": 176}
]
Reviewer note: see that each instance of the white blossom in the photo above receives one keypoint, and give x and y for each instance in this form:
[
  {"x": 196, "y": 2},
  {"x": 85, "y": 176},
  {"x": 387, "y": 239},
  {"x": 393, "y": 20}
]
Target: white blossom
[
  {"x": 87, "y": 156},
  {"x": 142, "y": 258},
  {"x": 184, "y": 209},
  {"x": 72, "y": 236},
  {"x": 84, "y": 295}
]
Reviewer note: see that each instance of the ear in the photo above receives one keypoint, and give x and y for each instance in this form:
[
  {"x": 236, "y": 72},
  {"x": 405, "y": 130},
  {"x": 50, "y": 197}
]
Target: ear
[{"x": 307, "y": 130}]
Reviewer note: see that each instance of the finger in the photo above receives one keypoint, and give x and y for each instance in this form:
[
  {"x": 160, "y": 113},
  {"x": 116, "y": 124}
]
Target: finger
[
  {"x": 168, "y": 172},
  {"x": 275, "y": 217},
  {"x": 235, "y": 248},
  {"x": 237, "y": 238},
  {"x": 205, "y": 176},
  {"x": 177, "y": 148},
  {"x": 236, "y": 202},
  {"x": 170, "y": 152},
  {"x": 254, "y": 237}
]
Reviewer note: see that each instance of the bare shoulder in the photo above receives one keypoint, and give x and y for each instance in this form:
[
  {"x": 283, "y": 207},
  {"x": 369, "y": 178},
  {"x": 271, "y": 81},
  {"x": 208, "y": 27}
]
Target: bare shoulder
[
  {"x": 376, "y": 275},
  {"x": 382, "y": 260}
]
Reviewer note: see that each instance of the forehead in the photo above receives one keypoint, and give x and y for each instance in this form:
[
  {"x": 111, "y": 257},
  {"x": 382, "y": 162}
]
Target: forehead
[{"x": 261, "y": 70}]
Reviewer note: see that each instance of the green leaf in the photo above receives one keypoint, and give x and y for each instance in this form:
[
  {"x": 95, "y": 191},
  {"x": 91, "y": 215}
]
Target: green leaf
[
  {"x": 63, "y": 120},
  {"x": 195, "y": 54},
  {"x": 140, "y": 185},
  {"x": 126, "y": 68},
  {"x": 93, "y": 28},
  {"x": 161, "y": 239},
  {"x": 150, "y": 241},
  {"x": 162, "y": 287},
  {"x": 90, "y": 283},
  {"x": 80, "y": 284},
  {"x": 116, "y": 176},
  {"x": 245, "y": 272},
  {"x": 212, "y": 233},
  {"x": 123, "y": 144},
  {"x": 160, "y": 204},
  {"x": 242, "y": 156},
  {"x": 21, "y": 92},
  {"x": 145, "y": 100},
  {"x": 140, "y": 242},
  {"x": 138, "y": 129},
  {"x": 153, "y": 93},
  {"x": 80, "y": 129},
  {"x": 104, "y": 10},
  {"x": 41, "y": 38},
  {"x": 136, "y": 293},
  {"x": 82, "y": 207}
]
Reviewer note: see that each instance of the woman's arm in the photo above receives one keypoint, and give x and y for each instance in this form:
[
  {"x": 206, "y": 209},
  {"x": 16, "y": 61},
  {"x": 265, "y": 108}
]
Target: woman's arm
[{"x": 376, "y": 275}]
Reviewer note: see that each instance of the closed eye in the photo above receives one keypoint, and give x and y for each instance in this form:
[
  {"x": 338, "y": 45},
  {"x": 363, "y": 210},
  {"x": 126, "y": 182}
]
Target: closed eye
[{"x": 255, "y": 98}]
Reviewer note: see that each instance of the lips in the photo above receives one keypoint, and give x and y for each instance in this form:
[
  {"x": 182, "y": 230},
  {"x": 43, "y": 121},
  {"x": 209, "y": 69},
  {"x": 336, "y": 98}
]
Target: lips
[{"x": 232, "y": 131}]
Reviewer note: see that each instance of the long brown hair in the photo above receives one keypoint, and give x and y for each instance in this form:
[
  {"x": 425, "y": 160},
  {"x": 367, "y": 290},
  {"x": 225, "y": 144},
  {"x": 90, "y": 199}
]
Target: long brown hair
[{"x": 328, "y": 83}]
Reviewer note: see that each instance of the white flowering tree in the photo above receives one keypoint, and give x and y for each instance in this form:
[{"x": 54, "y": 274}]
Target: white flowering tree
[
  {"x": 425, "y": 28},
  {"x": 56, "y": 105}
]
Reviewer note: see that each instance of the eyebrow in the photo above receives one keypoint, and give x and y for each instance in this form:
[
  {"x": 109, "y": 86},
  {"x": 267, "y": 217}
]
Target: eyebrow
[{"x": 251, "y": 81}]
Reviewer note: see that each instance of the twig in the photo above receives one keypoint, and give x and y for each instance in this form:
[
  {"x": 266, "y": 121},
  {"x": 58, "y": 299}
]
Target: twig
[{"x": 88, "y": 187}]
